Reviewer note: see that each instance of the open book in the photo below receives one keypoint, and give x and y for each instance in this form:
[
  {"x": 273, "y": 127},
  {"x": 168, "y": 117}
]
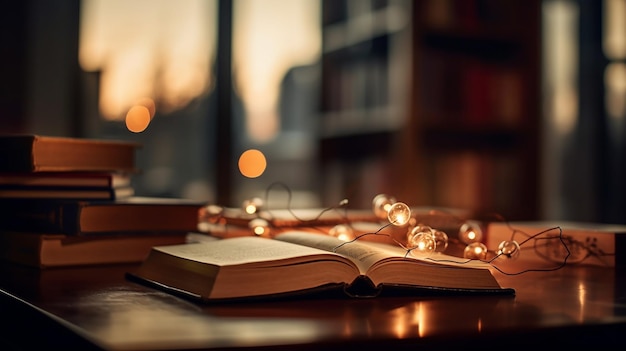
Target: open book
[{"x": 297, "y": 262}]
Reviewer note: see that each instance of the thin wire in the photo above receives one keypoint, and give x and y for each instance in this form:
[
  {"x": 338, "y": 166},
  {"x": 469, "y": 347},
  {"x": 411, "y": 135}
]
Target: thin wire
[
  {"x": 379, "y": 232},
  {"x": 342, "y": 204}
]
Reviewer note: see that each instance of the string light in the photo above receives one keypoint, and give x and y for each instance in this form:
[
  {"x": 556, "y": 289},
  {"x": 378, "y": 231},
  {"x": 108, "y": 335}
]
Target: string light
[
  {"x": 399, "y": 214},
  {"x": 211, "y": 213},
  {"x": 421, "y": 241},
  {"x": 342, "y": 232},
  {"x": 509, "y": 249},
  {"x": 253, "y": 205},
  {"x": 209, "y": 216},
  {"x": 475, "y": 251},
  {"x": 470, "y": 232},
  {"x": 260, "y": 227},
  {"x": 441, "y": 240},
  {"x": 381, "y": 205}
]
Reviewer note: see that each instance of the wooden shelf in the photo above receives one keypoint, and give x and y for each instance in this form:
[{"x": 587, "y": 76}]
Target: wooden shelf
[
  {"x": 468, "y": 134},
  {"x": 476, "y": 112},
  {"x": 497, "y": 139},
  {"x": 364, "y": 87}
]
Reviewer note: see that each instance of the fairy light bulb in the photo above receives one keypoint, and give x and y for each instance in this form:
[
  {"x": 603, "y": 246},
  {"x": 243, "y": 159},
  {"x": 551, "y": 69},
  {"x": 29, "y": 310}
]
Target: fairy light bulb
[
  {"x": 399, "y": 214},
  {"x": 441, "y": 240},
  {"x": 209, "y": 216},
  {"x": 253, "y": 205},
  {"x": 421, "y": 241},
  {"x": 342, "y": 232},
  {"x": 259, "y": 226},
  {"x": 381, "y": 205},
  {"x": 509, "y": 249},
  {"x": 470, "y": 232},
  {"x": 475, "y": 251},
  {"x": 210, "y": 213}
]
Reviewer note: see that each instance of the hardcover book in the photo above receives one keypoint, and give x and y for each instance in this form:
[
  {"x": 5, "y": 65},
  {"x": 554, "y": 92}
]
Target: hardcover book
[
  {"x": 297, "y": 263},
  {"x": 135, "y": 214},
  {"x": 58, "y": 250},
  {"x": 66, "y": 179},
  {"x": 300, "y": 217},
  {"x": 552, "y": 242},
  {"x": 56, "y": 192},
  {"x": 38, "y": 153}
]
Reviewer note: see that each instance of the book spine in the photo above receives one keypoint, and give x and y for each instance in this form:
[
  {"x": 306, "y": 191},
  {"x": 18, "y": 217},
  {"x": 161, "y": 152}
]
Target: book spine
[
  {"x": 40, "y": 217},
  {"x": 17, "y": 155},
  {"x": 24, "y": 250}
]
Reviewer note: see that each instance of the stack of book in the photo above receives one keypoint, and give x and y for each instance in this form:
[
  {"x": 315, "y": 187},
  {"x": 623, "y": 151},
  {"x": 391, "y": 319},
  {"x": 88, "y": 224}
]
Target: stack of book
[{"x": 69, "y": 201}]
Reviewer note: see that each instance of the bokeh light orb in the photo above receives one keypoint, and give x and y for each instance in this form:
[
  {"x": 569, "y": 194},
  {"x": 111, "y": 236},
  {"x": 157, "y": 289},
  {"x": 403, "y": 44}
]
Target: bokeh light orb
[
  {"x": 342, "y": 232},
  {"x": 253, "y": 205},
  {"x": 252, "y": 163},
  {"x": 138, "y": 118},
  {"x": 441, "y": 240},
  {"x": 475, "y": 251},
  {"x": 259, "y": 226},
  {"x": 470, "y": 232},
  {"x": 381, "y": 205}
]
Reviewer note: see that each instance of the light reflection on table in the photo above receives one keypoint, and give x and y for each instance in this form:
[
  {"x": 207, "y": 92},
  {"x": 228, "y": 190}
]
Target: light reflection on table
[{"x": 101, "y": 305}]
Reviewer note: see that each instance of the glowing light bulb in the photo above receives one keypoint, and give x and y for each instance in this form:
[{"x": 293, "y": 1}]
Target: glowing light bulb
[
  {"x": 475, "y": 251},
  {"x": 209, "y": 216},
  {"x": 210, "y": 213},
  {"x": 509, "y": 249},
  {"x": 470, "y": 232},
  {"x": 399, "y": 214},
  {"x": 342, "y": 232},
  {"x": 381, "y": 204},
  {"x": 259, "y": 226},
  {"x": 419, "y": 228},
  {"x": 421, "y": 241},
  {"x": 441, "y": 240},
  {"x": 253, "y": 205}
]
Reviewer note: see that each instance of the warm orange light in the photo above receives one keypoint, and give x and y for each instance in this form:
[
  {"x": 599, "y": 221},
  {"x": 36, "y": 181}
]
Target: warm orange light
[
  {"x": 252, "y": 163},
  {"x": 138, "y": 118},
  {"x": 135, "y": 60},
  {"x": 149, "y": 104}
]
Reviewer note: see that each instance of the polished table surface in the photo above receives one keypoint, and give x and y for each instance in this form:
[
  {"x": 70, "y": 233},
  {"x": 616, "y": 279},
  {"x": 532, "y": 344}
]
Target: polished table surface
[{"x": 98, "y": 307}]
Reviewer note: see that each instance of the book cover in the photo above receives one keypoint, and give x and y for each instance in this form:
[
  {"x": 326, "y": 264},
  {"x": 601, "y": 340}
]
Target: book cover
[
  {"x": 550, "y": 242},
  {"x": 39, "y": 153},
  {"x": 58, "y": 250},
  {"x": 300, "y": 263},
  {"x": 62, "y": 192},
  {"x": 93, "y": 217},
  {"x": 66, "y": 179}
]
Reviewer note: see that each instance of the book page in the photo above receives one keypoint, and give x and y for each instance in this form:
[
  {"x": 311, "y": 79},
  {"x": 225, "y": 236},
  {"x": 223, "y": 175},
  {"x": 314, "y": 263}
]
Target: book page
[
  {"x": 243, "y": 250},
  {"x": 363, "y": 255},
  {"x": 367, "y": 254}
]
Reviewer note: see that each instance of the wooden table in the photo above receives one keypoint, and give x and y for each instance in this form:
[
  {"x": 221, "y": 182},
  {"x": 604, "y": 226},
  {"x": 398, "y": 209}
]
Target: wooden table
[{"x": 99, "y": 308}]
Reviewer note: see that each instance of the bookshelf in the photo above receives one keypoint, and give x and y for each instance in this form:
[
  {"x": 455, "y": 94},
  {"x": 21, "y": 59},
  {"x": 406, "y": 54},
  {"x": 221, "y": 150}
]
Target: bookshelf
[
  {"x": 366, "y": 49},
  {"x": 477, "y": 103},
  {"x": 467, "y": 135}
]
